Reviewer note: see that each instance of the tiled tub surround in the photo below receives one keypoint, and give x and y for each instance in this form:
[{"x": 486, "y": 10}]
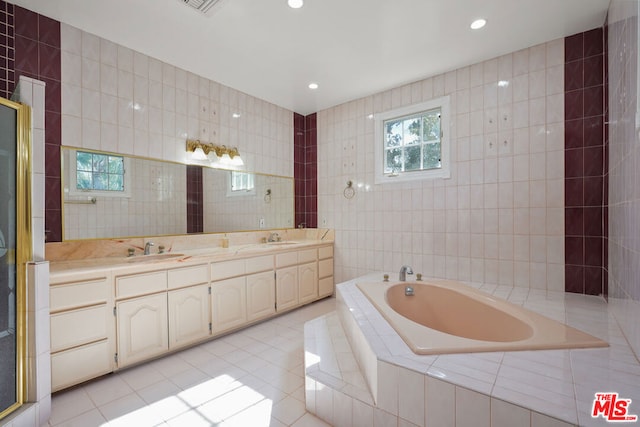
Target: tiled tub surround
[{"x": 526, "y": 388}]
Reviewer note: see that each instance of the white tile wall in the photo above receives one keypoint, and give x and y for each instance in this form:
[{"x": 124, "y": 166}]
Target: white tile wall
[
  {"x": 118, "y": 100},
  {"x": 500, "y": 217},
  {"x": 624, "y": 182}
]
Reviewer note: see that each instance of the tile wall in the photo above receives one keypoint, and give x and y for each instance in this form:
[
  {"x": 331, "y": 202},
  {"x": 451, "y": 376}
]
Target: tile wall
[
  {"x": 37, "y": 55},
  {"x": 118, "y": 100},
  {"x": 194, "y": 199},
  {"x": 585, "y": 163},
  {"x": 7, "y": 49},
  {"x": 156, "y": 206},
  {"x": 499, "y": 219},
  {"x": 306, "y": 169},
  {"x": 245, "y": 210},
  {"x": 624, "y": 177}
]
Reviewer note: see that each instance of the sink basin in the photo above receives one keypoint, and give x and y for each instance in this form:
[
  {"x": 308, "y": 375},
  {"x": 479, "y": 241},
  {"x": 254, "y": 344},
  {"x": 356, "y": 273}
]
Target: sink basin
[
  {"x": 288, "y": 242},
  {"x": 152, "y": 258}
]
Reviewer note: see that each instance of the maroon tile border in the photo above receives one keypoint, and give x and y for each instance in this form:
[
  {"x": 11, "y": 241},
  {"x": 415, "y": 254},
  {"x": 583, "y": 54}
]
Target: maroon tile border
[
  {"x": 305, "y": 169},
  {"x": 585, "y": 163},
  {"x": 195, "y": 203},
  {"x": 33, "y": 50}
]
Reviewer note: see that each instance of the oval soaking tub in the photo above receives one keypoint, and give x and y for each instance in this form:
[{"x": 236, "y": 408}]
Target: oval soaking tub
[{"x": 448, "y": 317}]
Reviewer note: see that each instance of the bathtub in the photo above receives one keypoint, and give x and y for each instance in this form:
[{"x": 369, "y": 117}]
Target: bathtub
[{"x": 448, "y": 317}]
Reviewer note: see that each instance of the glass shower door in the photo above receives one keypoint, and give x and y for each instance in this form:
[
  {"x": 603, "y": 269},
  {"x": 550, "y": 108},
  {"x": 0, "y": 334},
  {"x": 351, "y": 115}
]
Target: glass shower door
[{"x": 11, "y": 253}]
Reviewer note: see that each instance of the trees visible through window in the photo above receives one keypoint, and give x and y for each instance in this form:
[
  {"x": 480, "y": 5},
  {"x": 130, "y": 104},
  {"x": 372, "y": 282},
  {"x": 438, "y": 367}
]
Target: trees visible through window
[{"x": 96, "y": 171}]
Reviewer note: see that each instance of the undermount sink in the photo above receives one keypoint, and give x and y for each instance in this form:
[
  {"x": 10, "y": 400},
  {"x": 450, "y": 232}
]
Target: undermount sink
[
  {"x": 288, "y": 242},
  {"x": 155, "y": 257}
]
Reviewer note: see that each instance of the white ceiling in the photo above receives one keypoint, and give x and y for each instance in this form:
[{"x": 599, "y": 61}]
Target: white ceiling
[{"x": 351, "y": 48}]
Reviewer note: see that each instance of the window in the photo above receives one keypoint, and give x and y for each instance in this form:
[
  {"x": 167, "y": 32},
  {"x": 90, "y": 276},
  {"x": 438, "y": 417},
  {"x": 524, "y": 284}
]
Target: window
[
  {"x": 241, "y": 184},
  {"x": 93, "y": 173},
  {"x": 413, "y": 142}
]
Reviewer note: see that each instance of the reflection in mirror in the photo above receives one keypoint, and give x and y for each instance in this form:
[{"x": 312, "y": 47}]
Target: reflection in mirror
[{"x": 108, "y": 195}]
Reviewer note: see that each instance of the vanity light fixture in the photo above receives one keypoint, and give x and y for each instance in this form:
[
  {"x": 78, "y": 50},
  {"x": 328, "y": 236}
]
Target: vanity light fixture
[
  {"x": 478, "y": 23},
  {"x": 295, "y": 4},
  {"x": 226, "y": 155}
]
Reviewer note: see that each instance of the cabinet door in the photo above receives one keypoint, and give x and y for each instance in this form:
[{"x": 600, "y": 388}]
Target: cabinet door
[
  {"x": 287, "y": 287},
  {"x": 228, "y": 304},
  {"x": 261, "y": 295},
  {"x": 307, "y": 282},
  {"x": 188, "y": 315},
  {"x": 325, "y": 286},
  {"x": 142, "y": 328}
]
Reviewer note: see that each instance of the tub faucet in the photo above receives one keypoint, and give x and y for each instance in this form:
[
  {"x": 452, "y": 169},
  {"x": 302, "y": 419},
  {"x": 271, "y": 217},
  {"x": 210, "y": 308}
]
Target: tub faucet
[
  {"x": 404, "y": 271},
  {"x": 147, "y": 248}
]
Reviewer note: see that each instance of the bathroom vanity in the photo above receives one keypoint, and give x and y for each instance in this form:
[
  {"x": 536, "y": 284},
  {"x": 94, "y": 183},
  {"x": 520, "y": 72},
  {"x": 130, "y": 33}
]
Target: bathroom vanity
[{"x": 110, "y": 313}]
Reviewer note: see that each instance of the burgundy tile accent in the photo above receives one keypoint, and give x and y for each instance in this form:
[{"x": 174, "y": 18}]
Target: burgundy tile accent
[
  {"x": 574, "y": 192},
  {"x": 574, "y": 47},
  {"x": 53, "y": 95},
  {"x": 7, "y": 49},
  {"x": 585, "y": 162},
  {"x": 52, "y": 225},
  {"x": 52, "y": 187},
  {"x": 49, "y": 31},
  {"x": 574, "y": 221},
  {"x": 593, "y": 42},
  {"x": 574, "y": 278},
  {"x": 26, "y": 23},
  {"x": 26, "y": 56},
  {"x": 593, "y": 280},
  {"x": 574, "y": 250},
  {"x": 573, "y": 163},
  {"x": 305, "y": 169},
  {"x": 593, "y": 71},
  {"x": 49, "y": 61},
  {"x": 593, "y": 101},
  {"x": 593, "y": 131},
  {"x": 573, "y": 105},
  {"x": 52, "y": 160},
  {"x": 574, "y": 75},
  {"x": 195, "y": 203},
  {"x": 53, "y": 127}
]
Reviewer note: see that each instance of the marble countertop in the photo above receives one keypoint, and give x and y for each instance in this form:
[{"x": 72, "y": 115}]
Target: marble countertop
[
  {"x": 558, "y": 383},
  {"x": 142, "y": 263}
]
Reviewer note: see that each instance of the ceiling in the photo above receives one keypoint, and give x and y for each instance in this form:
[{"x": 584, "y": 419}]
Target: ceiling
[{"x": 351, "y": 48}]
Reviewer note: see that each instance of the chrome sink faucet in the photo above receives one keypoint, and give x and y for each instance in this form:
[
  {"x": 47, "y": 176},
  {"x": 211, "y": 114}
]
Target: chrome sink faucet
[
  {"x": 147, "y": 248},
  {"x": 404, "y": 270},
  {"x": 274, "y": 237}
]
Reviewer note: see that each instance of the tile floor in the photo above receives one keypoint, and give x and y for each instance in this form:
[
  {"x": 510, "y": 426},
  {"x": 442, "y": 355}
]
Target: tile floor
[{"x": 254, "y": 377}]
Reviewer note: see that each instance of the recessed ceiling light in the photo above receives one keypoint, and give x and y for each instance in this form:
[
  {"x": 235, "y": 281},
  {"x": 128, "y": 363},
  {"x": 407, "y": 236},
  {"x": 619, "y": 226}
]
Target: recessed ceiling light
[
  {"x": 236, "y": 115},
  {"x": 478, "y": 23},
  {"x": 295, "y": 4},
  {"x": 313, "y": 86}
]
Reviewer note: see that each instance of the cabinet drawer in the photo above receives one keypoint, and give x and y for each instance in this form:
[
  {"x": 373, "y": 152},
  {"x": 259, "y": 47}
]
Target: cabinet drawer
[
  {"x": 77, "y": 327},
  {"x": 258, "y": 264},
  {"x": 141, "y": 284},
  {"x": 325, "y": 252},
  {"x": 286, "y": 259},
  {"x": 181, "y": 277},
  {"x": 79, "y": 294},
  {"x": 67, "y": 370},
  {"x": 223, "y": 270},
  {"x": 307, "y": 255},
  {"x": 325, "y": 267}
]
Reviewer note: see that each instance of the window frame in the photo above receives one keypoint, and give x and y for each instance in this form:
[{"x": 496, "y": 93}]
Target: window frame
[
  {"x": 73, "y": 176},
  {"x": 443, "y": 172},
  {"x": 240, "y": 193}
]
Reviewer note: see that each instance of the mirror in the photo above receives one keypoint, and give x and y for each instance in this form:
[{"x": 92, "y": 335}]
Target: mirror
[{"x": 108, "y": 195}]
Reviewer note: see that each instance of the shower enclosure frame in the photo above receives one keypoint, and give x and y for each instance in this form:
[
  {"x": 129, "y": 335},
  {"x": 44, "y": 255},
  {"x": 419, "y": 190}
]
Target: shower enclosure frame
[{"x": 24, "y": 249}]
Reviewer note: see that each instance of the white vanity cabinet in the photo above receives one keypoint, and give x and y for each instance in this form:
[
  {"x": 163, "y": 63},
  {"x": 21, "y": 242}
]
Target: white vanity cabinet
[
  {"x": 188, "y": 305},
  {"x": 241, "y": 291},
  {"x": 141, "y": 316},
  {"x": 108, "y": 319},
  {"x": 81, "y": 329},
  {"x": 296, "y": 278},
  {"x": 326, "y": 285}
]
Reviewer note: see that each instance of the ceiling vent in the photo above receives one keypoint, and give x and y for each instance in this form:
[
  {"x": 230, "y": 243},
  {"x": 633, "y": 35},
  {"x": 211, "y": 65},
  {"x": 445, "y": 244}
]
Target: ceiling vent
[{"x": 203, "y": 6}]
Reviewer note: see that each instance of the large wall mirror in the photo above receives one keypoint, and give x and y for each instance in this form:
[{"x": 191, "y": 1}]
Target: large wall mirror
[{"x": 110, "y": 195}]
